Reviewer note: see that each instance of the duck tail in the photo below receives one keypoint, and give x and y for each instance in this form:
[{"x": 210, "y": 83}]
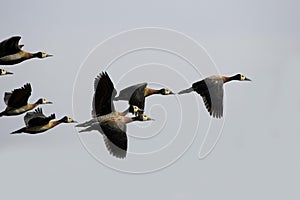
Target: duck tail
[
  {"x": 86, "y": 124},
  {"x": 2, "y": 114},
  {"x": 88, "y": 129},
  {"x": 186, "y": 91}
]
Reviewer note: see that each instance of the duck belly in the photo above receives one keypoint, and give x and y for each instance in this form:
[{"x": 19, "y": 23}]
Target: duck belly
[
  {"x": 38, "y": 129},
  {"x": 17, "y": 111},
  {"x": 12, "y": 59}
]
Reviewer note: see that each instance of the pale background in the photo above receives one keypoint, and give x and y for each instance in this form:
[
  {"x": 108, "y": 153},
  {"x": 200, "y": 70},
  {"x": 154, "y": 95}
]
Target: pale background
[{"x": 257, "y": 156}]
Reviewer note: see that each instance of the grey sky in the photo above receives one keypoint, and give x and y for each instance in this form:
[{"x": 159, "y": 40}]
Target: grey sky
[{"x": 257, "y": 155}]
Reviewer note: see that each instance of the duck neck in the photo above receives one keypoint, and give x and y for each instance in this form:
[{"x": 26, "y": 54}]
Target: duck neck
[
  {"x": 230, "y": 78},
  {"x": 55, "y": 123},
  {"x": 59, "y": 121},
  {"x": 149, "y": 91},
  {"x": 32, "y": 106},
  {"x": 28, "y": 55},
  {"x": 36, "y": 55}
]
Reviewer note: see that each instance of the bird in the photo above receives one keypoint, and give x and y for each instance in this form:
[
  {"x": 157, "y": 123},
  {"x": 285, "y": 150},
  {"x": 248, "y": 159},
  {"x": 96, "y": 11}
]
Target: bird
[
  {"x": 4, "y": 72},
  {"x": 113, "y": 129},
  {"x": 126, "y": 93},
  {"x": 37, "y": 122},
  {"x": 211, "y": 91},
  {"x": 16, "y": 101},
  {"x": 11, "y": 52},
  {"x": 111, "y": 124},
  {"x": 136, "y": 95}
]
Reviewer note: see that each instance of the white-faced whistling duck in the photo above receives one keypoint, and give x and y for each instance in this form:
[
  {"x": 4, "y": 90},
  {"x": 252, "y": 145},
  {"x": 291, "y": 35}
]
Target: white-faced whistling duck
[
  {"x": 211, "y": 91},
  {"x": 111, "y": 124},
  {"x": 126, "y": 93},
  {"x": 37, "y": 122},
  {"x": 136, "y": 95},
  {"x": 16, "y": 101},
  {"x": 4, "y": 72},
  {"x": 11, "y": 52}
]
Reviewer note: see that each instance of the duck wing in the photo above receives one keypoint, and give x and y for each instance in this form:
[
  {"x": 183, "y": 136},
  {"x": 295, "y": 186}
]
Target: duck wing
[
  {"x": 37, "y": 118},
  {"x": 211, "y": 91},
  {"x": 10, "y": 46},
  {"x": 115, "y": 138},
  {"x": 126, "y": 93},
  {"x": 138, "y": 98},
  {"x": 7, "y": 96},
  {"x": 18, "y": 97},
  {"x": 104, "y": 92}
]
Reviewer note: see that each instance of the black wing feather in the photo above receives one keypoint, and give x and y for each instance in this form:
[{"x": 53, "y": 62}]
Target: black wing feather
[
  {"x": 10, "y": 46},
  {"x": 37, "y": 118},
  {"x": 126, "y": 93},
  {"x": 138, "y": 98},
  {"x": 104, "y": 92},
  {"x": 115, "y": 138},
  {"x": 211, "y": 91},
  {"x": 19, "y": 97}
]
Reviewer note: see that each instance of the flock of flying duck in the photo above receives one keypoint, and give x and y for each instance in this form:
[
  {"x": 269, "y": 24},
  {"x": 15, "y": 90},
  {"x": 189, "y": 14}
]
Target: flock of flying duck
[{"x": 105, "y": 119}]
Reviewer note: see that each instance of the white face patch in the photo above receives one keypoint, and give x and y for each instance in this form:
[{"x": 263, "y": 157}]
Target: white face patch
[
  {"x": 145, "y": 118},
  {"x": 167, "y": 92},
  {"x": 135, "y": 109},
  {"x": 243, "y": 77},
  {"x": 44, "y": 55}
]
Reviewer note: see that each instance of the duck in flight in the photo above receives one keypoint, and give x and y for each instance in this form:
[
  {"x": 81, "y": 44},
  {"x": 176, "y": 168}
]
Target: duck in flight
[
  {"x": 16, "y": 101},
  {"x": 126, "y": 93},
  {"x": 4, "y": 72},
  {"x": 111, "y": 124},
  {"x": 136, "y": 95},
  {"x": 11, "y": 52},
  {"x": 211, "y": 91},
  {"x": 37, "y": 122}
]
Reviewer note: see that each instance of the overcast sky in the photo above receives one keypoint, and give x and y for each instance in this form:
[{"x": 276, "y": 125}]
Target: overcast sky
[{"x": 257, "y": 154}]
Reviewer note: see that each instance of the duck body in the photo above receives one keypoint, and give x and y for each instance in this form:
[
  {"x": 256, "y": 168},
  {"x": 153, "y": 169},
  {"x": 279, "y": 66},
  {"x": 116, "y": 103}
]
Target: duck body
[
  {"x": 212, "y": 92},
  {"x": 36, "y": 122},
  {"x": 11, "y": 52},
  {"x": 127, "y": 93},
  {"x": 17, "y": 101},
  {"x": 10, "y": 111},
  {"x": 37, "y": 129},
  {"x": 110, "y": 123},
  {"x": 15, "y": 58},
  {"x": 136, "y": 95}
]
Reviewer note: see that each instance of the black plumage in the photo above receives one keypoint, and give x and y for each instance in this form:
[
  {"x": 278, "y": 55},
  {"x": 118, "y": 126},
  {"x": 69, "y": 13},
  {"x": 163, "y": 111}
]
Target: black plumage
[
  {"x": 111, "y": 124},
  {"x": 211, "y": 91}
]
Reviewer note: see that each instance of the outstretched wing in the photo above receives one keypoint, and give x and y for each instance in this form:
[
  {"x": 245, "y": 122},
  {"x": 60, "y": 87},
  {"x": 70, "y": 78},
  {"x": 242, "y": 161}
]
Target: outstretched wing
[
  {"x": 18, "y": 97},
  {"x": 7, "y": 96},
  {"x": 37, "y": 118},
  {"x": 211, "y": 91},
  {"x": 138, "y": 98},
  {"x": 10, "y": 46},
  {"x": 104, "y": 92},
  {"x": 115, "y": 138},
  {"x": 126, "y": 93}
]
